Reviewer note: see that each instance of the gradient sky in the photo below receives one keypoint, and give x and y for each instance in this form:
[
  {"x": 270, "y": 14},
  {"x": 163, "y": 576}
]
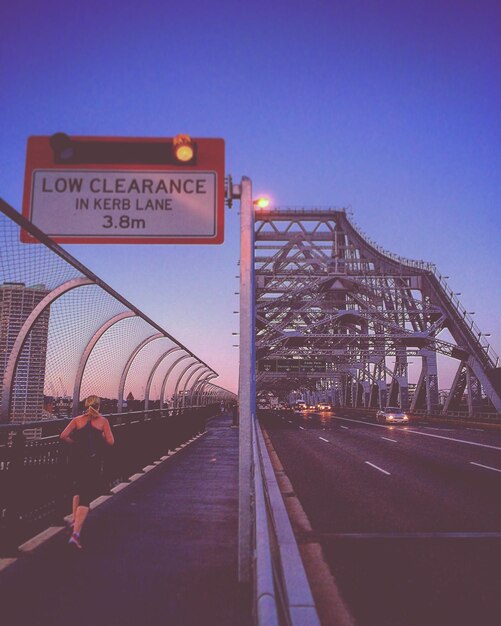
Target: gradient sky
[{"x": 391, "y": 108}]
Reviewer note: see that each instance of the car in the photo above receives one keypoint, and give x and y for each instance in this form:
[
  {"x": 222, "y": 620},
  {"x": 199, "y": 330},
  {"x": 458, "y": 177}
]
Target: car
[
  {"x": 324, "y": 406},
  {"x": 300, "y": 406},
  {"x": 392, "y": 415}
]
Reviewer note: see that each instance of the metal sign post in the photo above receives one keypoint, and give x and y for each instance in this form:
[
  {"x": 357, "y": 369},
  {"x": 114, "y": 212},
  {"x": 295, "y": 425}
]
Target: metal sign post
[{"x": 247, "y": 380}]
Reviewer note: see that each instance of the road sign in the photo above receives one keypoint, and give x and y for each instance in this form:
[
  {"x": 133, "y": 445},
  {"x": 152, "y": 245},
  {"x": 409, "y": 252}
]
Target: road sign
[
  {"x": 292, "y": 365},
  {"x": 124, "y": 190}
]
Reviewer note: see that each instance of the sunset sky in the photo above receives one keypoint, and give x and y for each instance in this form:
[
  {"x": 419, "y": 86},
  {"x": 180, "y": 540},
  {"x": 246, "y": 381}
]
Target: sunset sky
[{"x": 389, "y": 108}]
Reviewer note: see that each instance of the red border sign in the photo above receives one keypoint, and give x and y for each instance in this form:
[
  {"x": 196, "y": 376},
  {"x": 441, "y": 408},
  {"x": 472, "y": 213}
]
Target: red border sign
[{"x": 108, "y": 201}]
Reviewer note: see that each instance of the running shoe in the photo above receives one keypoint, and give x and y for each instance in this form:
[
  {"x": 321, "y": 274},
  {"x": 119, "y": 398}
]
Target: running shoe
[{"x": 74, "y": 540}]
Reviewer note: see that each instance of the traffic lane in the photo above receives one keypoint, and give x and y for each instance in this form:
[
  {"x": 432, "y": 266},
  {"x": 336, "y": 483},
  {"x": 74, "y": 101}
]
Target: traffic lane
[
  {"x": 430, "y": 464},
  {"x": 392, "y": 579},
  {"x": 481, "y": 454},
  {"x": 400, "y": 491},
  {"x": 485, "y": 454},
  {"x": 329, "y": 488},
  {"x": 392, "y": 582},
  {"x": 471, "y": 433}
]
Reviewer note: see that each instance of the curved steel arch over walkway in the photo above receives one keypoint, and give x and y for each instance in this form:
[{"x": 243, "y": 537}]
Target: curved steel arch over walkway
[
  {"x": 185, "y": 389},
  {"x": 130, "y": 360},
  {"x": 152, "y": 374},
  {"x": 42, "y": 307},
  {"x": 88, "y": 350},
  {"x": 338, "y": 315},
  {"x": 178, "y": 382}
]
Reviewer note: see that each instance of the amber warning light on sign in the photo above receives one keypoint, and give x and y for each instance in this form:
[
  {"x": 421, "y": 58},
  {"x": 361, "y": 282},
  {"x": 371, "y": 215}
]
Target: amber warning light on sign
[{"x": 125, "y": 190}]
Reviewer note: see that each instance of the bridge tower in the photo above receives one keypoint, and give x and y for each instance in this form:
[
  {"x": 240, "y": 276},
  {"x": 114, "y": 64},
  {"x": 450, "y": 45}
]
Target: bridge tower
[{"x": 337, "y": 316}]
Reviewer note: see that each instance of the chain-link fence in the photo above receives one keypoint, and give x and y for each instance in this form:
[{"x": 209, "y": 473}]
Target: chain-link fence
[{"x": 65, "y": 334}]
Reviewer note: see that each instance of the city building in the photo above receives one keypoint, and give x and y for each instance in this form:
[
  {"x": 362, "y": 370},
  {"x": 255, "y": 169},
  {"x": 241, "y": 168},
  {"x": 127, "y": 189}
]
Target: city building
[{"x": 17, "y": 301}]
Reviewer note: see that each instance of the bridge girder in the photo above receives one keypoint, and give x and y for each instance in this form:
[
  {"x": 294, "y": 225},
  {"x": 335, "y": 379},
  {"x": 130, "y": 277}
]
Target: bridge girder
[{"x": 327, "y": 295}]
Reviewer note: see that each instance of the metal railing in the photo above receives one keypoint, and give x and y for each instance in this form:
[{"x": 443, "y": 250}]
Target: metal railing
[
  {"x": 282, "y": 594},
  {"x": 35, "y": 479}
]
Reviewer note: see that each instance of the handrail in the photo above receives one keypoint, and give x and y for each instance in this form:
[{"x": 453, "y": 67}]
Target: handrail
[
  {"x": 296, "y": 600},
  {"x": 115, "y": 419}
]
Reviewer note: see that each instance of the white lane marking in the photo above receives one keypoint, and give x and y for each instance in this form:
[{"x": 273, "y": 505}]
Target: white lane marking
[
  {"x": 301, "y": 427},
  {"x": 443, "y": 430},
  {"x": 326, "y": 440},
  {"x": 345, "y": 427},
  {"x": 470, "y": 443},
  {"x": 495, "y": 469},
  {"x": 378, "y": 468},
  {"x": 417, "y": 432},
  {"x": 477, "y": 430},
  {"x": 386, "y": 439}
]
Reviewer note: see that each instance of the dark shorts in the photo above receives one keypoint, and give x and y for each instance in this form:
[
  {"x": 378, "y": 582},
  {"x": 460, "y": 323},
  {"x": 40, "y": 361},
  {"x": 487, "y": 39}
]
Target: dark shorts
[{"x": 88, "y": 480}]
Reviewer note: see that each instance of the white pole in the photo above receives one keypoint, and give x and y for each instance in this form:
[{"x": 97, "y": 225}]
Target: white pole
[{"x": 247, "y": 382}]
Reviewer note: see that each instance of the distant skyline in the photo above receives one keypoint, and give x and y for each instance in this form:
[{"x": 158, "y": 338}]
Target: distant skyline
[{"x": 391, "y": 109}]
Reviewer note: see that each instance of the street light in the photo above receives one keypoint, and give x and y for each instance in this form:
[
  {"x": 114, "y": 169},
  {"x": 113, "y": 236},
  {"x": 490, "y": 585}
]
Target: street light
[{"x": 261, "y": 203}]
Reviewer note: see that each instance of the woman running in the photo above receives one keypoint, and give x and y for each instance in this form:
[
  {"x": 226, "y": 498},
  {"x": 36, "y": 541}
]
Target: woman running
[{"x": 86, "y": 434}]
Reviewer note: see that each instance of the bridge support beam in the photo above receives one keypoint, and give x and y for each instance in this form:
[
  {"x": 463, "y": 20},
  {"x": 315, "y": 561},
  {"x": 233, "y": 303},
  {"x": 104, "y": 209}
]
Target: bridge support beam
[{"x": 426, "y": 394}]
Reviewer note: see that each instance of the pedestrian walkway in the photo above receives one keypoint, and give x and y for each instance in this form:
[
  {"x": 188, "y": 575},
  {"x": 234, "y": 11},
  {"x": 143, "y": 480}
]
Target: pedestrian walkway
[{"x": 162, "y": 551}]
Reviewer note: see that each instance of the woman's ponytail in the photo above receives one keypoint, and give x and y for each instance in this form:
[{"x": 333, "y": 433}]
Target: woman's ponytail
[{"x": 92, "y": 404}]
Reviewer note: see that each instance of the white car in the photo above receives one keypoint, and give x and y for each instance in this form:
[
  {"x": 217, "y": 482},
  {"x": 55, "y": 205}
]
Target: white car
[
  {"x": 392, "y": 415},
  {"x": 324, "y": 406}
]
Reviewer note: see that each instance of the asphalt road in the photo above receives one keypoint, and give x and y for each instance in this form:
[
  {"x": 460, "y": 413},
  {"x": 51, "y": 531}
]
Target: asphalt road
[{"x": 409, "y": 516}]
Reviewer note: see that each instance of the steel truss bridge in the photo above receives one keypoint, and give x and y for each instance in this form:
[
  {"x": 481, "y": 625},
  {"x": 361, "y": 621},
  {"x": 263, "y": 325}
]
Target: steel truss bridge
[{"x": 337, "y": 314}]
